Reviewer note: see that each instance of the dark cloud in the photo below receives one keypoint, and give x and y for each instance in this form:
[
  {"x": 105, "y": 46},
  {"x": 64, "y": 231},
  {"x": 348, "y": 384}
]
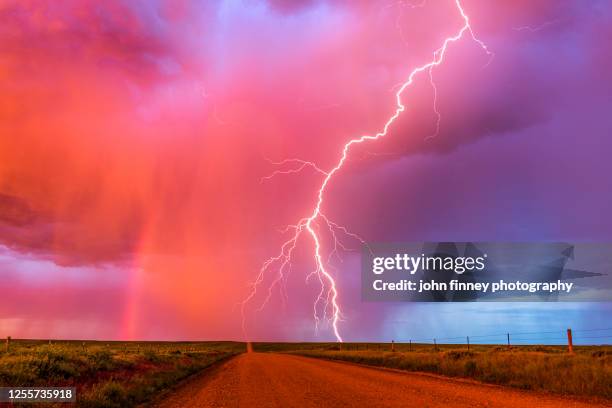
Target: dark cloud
[
  {"x": 531, "y": 76},
  {"x": 138, "y": 131},
  {"x": 15, "y": 211}
]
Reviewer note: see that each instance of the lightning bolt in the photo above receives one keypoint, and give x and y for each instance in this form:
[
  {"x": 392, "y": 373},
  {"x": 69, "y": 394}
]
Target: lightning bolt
[
  {"x": 311, "y": 225},
  {"x": 540, "y": 27}
]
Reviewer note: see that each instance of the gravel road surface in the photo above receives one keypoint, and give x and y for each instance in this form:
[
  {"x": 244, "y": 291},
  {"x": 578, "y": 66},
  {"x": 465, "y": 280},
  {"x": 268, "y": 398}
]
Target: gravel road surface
[{"x": 277, "y": 380}]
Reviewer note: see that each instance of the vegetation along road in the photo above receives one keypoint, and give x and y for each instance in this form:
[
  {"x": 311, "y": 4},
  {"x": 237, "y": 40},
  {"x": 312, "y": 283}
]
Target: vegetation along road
[{"x": 280, "y": 380}]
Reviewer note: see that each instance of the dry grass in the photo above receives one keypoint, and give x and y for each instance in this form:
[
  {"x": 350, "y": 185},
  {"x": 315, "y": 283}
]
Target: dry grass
[
  {"x": 108, "y": 374},
  {"x": 588, "y": 372}
]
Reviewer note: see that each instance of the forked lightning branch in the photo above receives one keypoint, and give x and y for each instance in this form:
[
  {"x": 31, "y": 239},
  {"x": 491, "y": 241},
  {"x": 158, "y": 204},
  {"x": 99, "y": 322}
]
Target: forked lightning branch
[{"x": 326, "y": 306}]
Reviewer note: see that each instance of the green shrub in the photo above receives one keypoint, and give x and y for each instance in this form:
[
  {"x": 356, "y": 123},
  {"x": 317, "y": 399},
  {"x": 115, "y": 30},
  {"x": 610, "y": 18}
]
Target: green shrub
[
  {"x": 107, "y": 395},
  {"x": 151, "y": 356}
]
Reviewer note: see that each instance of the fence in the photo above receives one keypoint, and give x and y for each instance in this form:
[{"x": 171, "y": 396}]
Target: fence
[
  {"x": 569, "y": 337},
  {"x": 535, "y": 337}
]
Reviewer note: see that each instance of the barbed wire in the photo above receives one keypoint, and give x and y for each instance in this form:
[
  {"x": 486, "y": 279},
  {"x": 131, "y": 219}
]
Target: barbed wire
[{"x": 514, "y": 337}]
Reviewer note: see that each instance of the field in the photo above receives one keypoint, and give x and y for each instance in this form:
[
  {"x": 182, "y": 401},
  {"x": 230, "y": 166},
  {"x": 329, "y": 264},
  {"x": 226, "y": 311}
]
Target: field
[
  {"x": 125, "y": 374},
  {"x": 587, "y": 372},
  {"x": 108, "y": 374}
]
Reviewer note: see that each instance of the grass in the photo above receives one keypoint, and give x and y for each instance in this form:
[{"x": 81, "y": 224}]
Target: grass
[
  {"x": 587, "y": 372},
  {"x": 127, "y": 374},
  {"x": 108, "y": 374}
]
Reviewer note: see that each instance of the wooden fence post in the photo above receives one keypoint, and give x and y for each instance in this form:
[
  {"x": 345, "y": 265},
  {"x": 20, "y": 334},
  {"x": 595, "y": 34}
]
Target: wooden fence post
[
  {"x": 392, "y": 345},
  {"x": 468, "y": 342},
  {"x": 410, "y": 345},
  {"x": 435, "y": 345},
  {"x": 8, "y": 343},
  {"x": 570, "y": 345},
  {"x": 508, "y": 335}
]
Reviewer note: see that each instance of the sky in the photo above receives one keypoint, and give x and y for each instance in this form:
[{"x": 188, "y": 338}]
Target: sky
[{"x": 136, "y": 138}]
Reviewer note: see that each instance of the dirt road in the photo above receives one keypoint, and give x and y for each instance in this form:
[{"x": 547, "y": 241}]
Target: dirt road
[{"x": 276, "y": 380}]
